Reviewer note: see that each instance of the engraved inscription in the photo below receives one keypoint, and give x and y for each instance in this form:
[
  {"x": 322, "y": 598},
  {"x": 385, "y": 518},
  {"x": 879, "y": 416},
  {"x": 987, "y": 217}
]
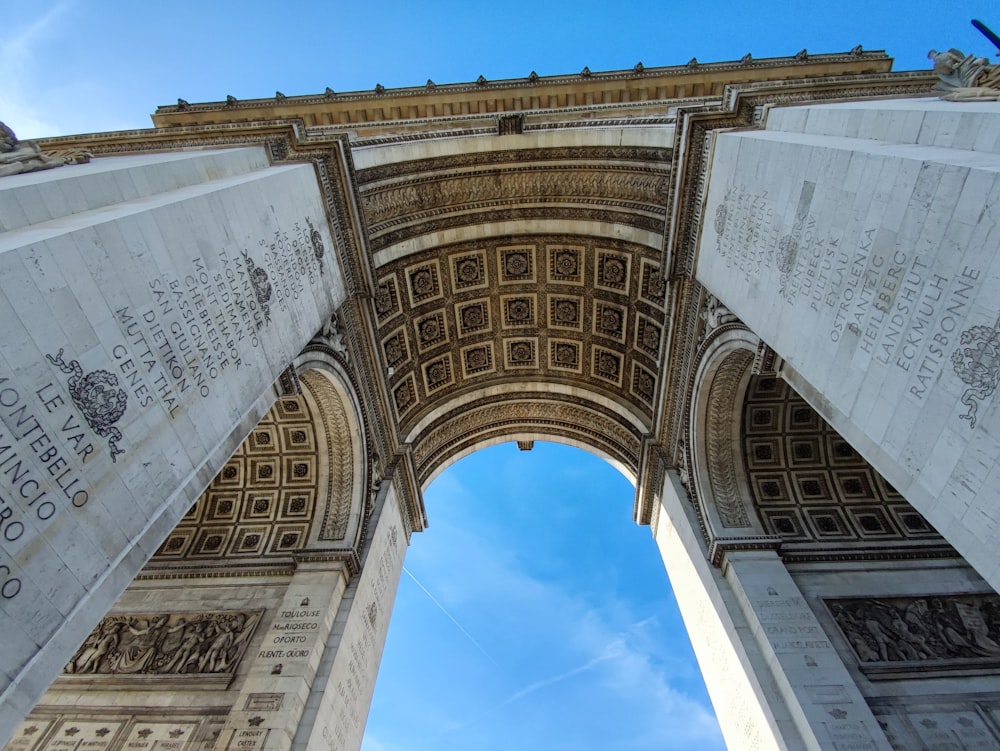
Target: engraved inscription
[{"x": 872, "y": 290}]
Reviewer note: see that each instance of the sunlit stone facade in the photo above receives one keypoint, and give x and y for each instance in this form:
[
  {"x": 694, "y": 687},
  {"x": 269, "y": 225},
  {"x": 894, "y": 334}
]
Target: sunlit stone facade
[{"x": 238, "y": 346}]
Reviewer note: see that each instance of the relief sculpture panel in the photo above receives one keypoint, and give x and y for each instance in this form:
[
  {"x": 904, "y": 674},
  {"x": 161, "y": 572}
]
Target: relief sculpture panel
[
  {"x": 206, "y": 643},
  {"x": 933, "y": 632}
]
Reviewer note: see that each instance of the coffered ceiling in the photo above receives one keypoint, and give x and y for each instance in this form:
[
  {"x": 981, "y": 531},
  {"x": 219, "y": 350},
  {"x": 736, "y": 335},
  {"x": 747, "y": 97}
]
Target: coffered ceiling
[{"x": 520, "y": 260}]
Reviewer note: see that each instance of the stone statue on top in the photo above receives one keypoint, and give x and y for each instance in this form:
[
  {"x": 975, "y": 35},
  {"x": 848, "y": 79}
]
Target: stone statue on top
[
  {"x": 25, "y": 156},
  {"x": 965, "y": 78}
]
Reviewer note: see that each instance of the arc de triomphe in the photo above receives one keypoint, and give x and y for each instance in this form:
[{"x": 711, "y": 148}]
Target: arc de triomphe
[{"x": 237, "y": 346}]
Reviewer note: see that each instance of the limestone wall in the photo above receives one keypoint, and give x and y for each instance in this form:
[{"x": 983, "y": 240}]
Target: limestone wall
[
  {"x": 148, "y": 303},
  {"x": 860, "y": 241},
  {"x": 918, "y": 638}
]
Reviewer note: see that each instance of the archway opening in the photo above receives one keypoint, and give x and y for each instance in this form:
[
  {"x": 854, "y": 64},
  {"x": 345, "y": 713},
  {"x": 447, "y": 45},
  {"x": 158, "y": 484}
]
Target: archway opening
[{"x": 534, "y": 607}]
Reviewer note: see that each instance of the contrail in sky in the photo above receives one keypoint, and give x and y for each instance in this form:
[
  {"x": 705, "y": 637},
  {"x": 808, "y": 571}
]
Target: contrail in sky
[
  {"x": 611, "y": 651},
  {"x": 458, "y": 625},
  {"x": 532, "y": 688}
]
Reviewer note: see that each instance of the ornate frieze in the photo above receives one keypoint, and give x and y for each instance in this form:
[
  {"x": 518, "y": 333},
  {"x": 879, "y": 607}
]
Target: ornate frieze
[
  {"x": 941, "y": 632},
  {"x": 165, "y": 644},
  {"x": 620, "y": 185}
]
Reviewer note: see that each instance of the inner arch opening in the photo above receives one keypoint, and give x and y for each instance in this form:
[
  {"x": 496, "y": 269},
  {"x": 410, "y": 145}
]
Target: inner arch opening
[{"x": 533, "y": 608}]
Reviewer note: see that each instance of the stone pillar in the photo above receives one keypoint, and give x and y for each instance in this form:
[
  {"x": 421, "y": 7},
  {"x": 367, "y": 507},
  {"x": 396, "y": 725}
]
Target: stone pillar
[
  {"x": 861, "y": 242},
  {"x": 337, "y": 707},
  {"x": 747, "y": 703},
  {"x": 815, "y": 686},
  {"x": 775, "y": 680},
  {"x": 269, "y": 708},
  {"x": 149, "y": 302}
]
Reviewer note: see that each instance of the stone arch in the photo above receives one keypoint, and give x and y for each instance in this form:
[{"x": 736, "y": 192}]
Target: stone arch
[
  {"x": 534, "y": 411},
  {"x": 718, "y": 481},
  {"x": 345, "y": 480},
  {"x": 298, "y": 481}
]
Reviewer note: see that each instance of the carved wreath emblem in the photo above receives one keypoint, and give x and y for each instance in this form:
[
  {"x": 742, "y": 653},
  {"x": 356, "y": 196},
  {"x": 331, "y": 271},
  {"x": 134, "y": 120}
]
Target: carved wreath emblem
[
  {"x": 97, "y": 396},
  {"x": 977, "y": 363},
  {"x": 317, "y": 244},
  {"x": 721, "y": 214},
  {"x": 261, "y": 286}
]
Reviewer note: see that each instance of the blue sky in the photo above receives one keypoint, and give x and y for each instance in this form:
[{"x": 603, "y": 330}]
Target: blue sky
[
  {"x": 533, "y": 614},
  {"x": 88, "y": 65}
]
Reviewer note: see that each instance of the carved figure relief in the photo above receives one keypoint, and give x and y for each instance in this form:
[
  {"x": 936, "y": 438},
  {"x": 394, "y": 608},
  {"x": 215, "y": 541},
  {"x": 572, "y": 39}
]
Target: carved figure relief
[
  {"x": 715, "y": 314},
  {"x": 921, "y": 629},
  {"x": 97, "y": 396},
  {"x": 332, "y": 336},
  {"x": 165, "y": 643}
]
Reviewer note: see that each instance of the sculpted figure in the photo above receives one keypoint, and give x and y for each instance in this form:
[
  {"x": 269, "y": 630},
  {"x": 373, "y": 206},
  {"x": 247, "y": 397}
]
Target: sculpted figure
[
  {"x": 138, "y": 655},
  {"x": 965, "y": 78},
  {"x": 189, "y": 651},
  {"x": 220, "y": 654},
  {"x": 100, "y": 643},
  {"x": 335, "y": 337},
  {"x": 24, "y": 156}
]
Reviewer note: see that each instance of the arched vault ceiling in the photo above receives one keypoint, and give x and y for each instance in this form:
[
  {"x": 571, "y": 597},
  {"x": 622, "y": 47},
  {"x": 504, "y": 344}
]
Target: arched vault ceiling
[
  {"x": 621, "y": 187},
  {"x": 524, "y": 258},
  {"x": 583, "y": 316}
]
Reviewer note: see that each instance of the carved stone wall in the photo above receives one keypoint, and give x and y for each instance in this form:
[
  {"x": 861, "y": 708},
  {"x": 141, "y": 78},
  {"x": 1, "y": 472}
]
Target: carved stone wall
[
  {"x": 941, "y": 723},
  {"x": 165, "y": 644},
  {"x": 945, "y": 633},
  {"x": 170, "y": 730}
]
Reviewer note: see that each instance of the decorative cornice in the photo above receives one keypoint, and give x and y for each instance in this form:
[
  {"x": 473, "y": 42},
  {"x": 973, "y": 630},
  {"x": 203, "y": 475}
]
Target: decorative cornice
[
  {"x": 720, "y": 547},
  {"x": 635, "y": 86}
]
